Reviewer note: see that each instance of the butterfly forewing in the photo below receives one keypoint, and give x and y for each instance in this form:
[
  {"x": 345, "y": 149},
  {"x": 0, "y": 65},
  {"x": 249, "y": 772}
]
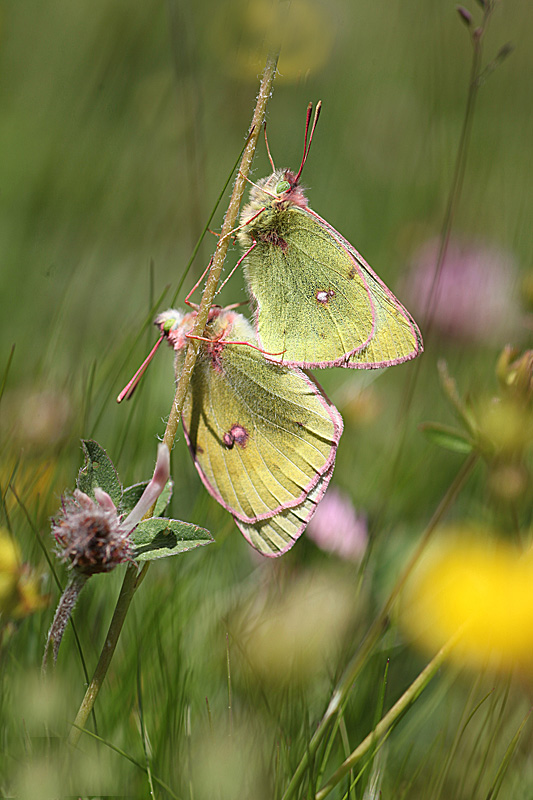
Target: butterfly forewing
[
  {"x": 396, "y": 336},
  {"x": 316, "y": 297},
  {"x": 312, "y": 300}
]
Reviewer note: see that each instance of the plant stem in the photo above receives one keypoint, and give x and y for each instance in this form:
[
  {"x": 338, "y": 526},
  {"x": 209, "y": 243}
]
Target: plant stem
[
  {"x": 459, "y": 170},
  {"x": 378, "y": 626},
  {"x": 63, "y": 613},
  {"x": 222, "y": 248},
  {"x": 452, "y": 204},
  {"x": 392, "y": 716},
  {"x": 132, "y": 579}
]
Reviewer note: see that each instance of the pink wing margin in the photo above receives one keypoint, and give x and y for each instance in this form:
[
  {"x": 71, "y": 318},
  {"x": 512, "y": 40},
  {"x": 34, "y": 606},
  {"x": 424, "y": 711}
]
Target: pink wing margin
[{"x": 321, "y": 490}]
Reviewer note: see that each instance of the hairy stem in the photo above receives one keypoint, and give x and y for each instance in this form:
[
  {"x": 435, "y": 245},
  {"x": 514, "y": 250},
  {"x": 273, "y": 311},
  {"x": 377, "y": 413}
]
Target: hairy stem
[
  {"x": 132, "y": 578},
  {"x": 64, "y": 610},
  {"x": 222, "y": 248}
]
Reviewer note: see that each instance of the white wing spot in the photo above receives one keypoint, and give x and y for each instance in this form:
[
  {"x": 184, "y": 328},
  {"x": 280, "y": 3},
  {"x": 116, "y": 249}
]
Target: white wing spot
[{"x": 324, "y": 296}]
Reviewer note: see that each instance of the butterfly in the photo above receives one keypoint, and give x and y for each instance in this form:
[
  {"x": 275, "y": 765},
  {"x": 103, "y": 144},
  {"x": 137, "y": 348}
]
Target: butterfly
[
  {"x": 316, "y": 299},
  {"x": 263, "y": 436}
]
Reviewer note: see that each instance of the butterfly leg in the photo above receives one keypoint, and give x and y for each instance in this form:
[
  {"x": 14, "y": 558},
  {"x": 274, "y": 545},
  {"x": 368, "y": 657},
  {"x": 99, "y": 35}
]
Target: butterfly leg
[
  {"x": 239, "y": 262},
  {"x": 196, "y": 285}
]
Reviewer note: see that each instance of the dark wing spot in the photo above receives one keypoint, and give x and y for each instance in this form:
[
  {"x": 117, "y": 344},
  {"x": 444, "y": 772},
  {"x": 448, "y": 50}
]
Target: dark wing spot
[
  {"x": 238, "y": 435},
  {"x": 229, "y": 440},
  {"x": 352, "y": 273}
]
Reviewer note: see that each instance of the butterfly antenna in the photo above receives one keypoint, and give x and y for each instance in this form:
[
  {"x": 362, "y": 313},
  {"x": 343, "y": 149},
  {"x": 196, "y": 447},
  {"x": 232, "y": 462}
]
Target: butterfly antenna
[
  {"x": 307, "y": 144},
  {"x": 268, "y": 149},
  {"x": 130, "y": 387}
]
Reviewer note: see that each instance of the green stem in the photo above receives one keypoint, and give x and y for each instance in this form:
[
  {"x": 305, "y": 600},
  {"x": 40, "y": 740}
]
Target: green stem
[
  {"x": 452, "y": 204},
  {"x": 222, "y": 248},
  {"x": 374, "y": 738},
  {"x": 123, "y": 603},
  {"x": 459, "y": 170},
  {"x": 378, "y": 626},
  {"x": 131, "y": 578}
]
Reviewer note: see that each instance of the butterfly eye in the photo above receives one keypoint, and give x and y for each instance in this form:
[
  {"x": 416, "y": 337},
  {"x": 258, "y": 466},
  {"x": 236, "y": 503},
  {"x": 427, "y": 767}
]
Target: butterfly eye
[
  {"x": 168, "y": 325},
  {"x": 282, "y": 186}
]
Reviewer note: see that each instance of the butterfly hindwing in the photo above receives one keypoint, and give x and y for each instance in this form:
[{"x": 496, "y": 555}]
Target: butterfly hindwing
[
  {"x": 262, "y": 436},
  {"x": 275, "y": 535}
]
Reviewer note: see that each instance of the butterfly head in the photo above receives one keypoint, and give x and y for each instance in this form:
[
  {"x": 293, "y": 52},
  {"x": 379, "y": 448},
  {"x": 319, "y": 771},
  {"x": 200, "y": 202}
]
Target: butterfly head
[
  {"x": 279, "y": 191},
  {"x": 173, "y": 325}
]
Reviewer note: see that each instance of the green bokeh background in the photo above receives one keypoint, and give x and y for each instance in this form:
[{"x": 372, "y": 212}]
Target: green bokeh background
[{"x": 119, "y": 124}]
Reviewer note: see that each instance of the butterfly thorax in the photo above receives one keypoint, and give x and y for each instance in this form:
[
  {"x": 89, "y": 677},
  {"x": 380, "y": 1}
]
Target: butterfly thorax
[
  {"x": 217, "y": 331},
  {"x": 271, "y": 201}
]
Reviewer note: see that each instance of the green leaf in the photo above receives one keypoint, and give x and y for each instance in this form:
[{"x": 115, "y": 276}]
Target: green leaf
[
  {"x": 159, "y": 537},
  {"x": 164, "y": 498},
  {"x": 98, "y": 470},
  {"x": 132, "y": 495},
  {"x": 448, "y": 438}
]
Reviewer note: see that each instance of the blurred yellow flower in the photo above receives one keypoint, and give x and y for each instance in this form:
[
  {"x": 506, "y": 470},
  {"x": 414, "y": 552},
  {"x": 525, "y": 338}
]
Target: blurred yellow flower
[
  {"x": 33, "y": 479},
  {"x": 481, "y": 584},
  {"x": 19, "y": 586},
  {"x": 505, "y": 426},
  {"x": 242, "y": 33}
]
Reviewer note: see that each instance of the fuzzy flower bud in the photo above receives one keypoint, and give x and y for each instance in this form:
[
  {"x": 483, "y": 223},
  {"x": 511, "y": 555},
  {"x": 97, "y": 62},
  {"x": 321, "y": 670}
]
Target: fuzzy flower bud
[
  {"x": 89, "y": 533},
  {"x": 515, "y": 374},
  {"x": 92, "y": 535}
]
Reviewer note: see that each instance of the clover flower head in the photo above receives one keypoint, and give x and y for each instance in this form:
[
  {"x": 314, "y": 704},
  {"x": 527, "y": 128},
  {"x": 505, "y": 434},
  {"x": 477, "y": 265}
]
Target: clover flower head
[
  {"x": 92, "y": 535},
  {"x": 474, "y": 297}
]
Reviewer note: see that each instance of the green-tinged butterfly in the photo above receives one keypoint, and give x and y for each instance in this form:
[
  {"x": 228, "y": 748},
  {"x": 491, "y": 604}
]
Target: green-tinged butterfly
[
  {"x": 316, "y": 298},
  {"x": 263, "y": 436}
]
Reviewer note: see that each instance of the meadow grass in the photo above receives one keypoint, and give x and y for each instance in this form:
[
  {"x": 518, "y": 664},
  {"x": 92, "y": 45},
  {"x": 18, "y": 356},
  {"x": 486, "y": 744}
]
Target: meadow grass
[{"x": 120, "y": 126}]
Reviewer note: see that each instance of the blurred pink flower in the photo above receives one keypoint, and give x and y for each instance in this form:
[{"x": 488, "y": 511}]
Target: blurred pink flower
[
  {"x": 475, "y": 299},
  {"x": 337, "y": 528}
]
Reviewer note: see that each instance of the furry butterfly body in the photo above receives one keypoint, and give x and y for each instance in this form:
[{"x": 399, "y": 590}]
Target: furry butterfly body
[{"x": 263, "y": 436}]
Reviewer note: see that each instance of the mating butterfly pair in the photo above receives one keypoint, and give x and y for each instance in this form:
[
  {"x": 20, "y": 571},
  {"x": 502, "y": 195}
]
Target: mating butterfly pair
[{"x": 262, "y": 434}]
